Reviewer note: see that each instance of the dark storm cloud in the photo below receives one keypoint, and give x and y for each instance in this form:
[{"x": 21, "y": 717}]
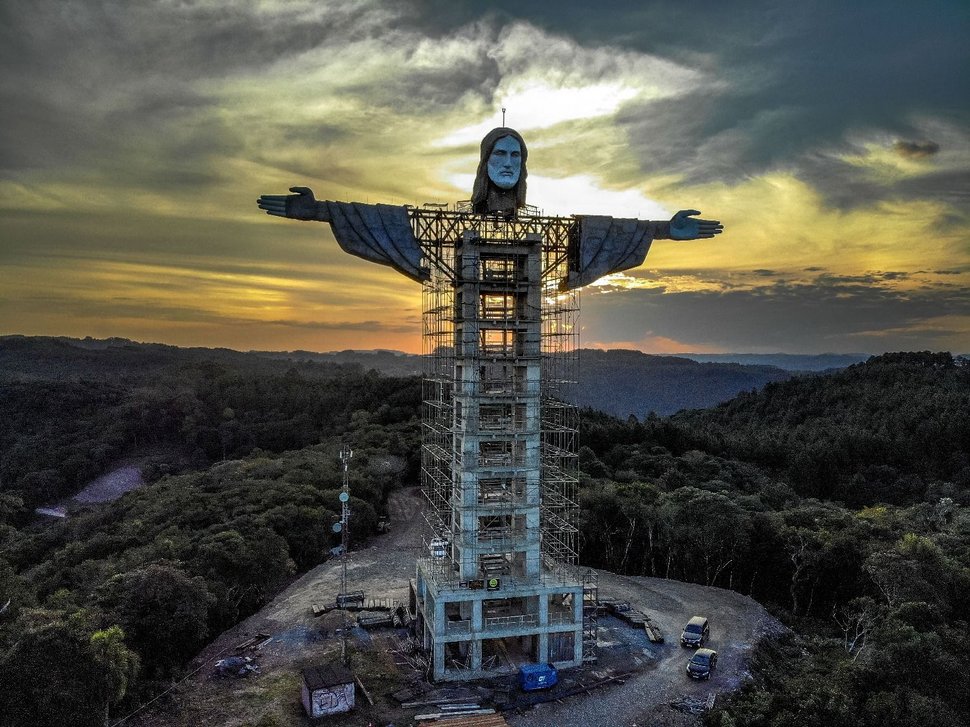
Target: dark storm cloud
[
  {"x": 916, "y": 149},
  {"x": 83, "y": 75},
  {"x": 952, "y": 187},
  {"x": 833, "y": 281},
  {"x": 82, "y": 79},
  {"x": 440, "y": 70},
  {"x": 844, "y": 185},
  {"x": 430, "y": 90},
  {"x": 831, "y": 313},
  {"x": 174, "y": 39},
  {"x": 793, "y": 79}
]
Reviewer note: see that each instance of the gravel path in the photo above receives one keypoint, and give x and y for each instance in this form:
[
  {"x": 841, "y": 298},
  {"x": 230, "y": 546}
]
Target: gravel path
[
  {"x": 737, "y": 623},
  {"x": 383, "y": 570}
]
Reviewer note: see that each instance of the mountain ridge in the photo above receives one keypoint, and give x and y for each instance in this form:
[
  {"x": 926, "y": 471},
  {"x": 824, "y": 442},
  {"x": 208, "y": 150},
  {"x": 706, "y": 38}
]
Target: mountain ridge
[{"x": 618, "y": 381}]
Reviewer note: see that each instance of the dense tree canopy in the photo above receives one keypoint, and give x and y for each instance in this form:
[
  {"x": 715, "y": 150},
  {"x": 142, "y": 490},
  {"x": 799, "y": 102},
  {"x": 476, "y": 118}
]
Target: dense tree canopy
[{"x": 839, "y": 501}]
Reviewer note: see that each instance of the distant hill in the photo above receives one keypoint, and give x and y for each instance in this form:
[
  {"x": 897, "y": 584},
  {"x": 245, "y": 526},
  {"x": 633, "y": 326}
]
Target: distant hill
[
  {"x": 618, "y": 382},
  {"x": 623, "y": 382},
  {"x": 883, "y": 430},
  {"x": 786, "y": 361},
  {"x": 120, "y": 361},
  {"x": 389, "y": 363}
]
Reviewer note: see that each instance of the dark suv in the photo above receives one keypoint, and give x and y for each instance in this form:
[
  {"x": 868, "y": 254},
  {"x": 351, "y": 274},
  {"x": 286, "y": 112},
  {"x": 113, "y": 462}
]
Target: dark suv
[
  {"x": 696, "y": 632},
  {"x": 701, "y": 664}
]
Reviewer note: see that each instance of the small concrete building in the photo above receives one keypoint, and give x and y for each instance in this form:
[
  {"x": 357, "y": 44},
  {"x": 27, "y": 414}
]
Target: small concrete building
[{"x": 327, "y": 689}]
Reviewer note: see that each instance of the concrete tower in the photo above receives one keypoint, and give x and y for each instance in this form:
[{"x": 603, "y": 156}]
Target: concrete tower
[{"x": 499, "y": 454}]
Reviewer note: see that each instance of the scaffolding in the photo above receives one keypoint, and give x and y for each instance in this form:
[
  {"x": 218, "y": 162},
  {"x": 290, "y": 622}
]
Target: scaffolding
[
  {"x": 499, "y": 450},
  {"x": 590, "y": 615},
  {"x": 502, "y": 352}
]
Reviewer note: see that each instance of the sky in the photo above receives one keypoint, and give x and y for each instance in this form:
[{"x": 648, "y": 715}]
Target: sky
[{"x": 832, "y": 139}]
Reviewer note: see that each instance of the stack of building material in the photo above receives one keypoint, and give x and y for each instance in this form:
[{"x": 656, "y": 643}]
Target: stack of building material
[
  {"x": 653, "y": 632},
  {"x": 469, "y": 720}
]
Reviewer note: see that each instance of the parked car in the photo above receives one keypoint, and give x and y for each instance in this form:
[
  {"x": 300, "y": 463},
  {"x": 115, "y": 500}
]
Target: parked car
[
  {"x": 696, "y": 632},
  {"x": 701, "y": 664}
]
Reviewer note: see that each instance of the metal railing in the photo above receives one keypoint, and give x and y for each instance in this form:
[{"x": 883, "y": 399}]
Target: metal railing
[{"x": 502, "y": 622}]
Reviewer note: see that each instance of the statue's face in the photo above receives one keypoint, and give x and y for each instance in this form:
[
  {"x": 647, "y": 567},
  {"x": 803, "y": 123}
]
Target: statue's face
[{"x": 505, "y": 162}]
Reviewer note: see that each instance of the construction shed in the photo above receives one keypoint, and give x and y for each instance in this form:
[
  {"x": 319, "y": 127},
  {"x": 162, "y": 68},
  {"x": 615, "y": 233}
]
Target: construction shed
[{"x": 327, "y": 689}]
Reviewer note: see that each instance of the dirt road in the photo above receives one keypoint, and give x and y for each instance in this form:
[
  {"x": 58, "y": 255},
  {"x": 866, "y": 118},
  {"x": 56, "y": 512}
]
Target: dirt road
[
  {"x": 737, "y": 622},
  {"x": 383, "y": 570}
]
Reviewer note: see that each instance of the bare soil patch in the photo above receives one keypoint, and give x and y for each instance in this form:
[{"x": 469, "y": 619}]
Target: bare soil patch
[{"x": 111, "y": 486}]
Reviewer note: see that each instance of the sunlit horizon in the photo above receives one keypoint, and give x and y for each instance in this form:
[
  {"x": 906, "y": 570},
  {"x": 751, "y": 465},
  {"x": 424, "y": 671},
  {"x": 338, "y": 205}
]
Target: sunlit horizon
[{"x": 132, "y": 157}]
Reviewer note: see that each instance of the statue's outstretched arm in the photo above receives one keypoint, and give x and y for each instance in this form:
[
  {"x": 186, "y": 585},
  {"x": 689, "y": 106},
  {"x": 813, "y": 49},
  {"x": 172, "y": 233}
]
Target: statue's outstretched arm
[
  {"x": 684, "y": 227},
  {"x": 377, "y": 232},
  {"x": 607, "y": 245},
  {"x": 300, "y": 206}
]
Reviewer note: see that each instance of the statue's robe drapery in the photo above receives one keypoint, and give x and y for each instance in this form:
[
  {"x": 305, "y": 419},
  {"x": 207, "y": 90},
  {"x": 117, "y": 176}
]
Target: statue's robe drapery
[
  {"x": 608, "y": 245},
  {"x": 380, "y": 233},
  {"x": 383, "y": 234}
]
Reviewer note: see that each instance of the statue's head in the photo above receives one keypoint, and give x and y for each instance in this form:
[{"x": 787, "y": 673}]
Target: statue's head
[{"x": 502, "y": 167}]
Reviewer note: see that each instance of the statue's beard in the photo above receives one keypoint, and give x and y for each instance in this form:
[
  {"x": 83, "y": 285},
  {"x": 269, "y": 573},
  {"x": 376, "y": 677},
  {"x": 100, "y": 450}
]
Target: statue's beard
[{"x": 501, "y": 200}]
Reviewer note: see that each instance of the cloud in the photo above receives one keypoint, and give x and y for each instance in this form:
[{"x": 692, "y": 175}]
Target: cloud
[
  {"x": 827, "y": 137},
  {"x": 916, "y": 149},
  {"x": 830, "y": 313},
  {"x": 368, "y": 327},
  {"x": 796, "y": 88}
]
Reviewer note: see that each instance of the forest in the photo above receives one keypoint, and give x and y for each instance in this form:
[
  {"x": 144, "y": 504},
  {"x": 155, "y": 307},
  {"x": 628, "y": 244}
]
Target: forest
[{"x": 839, "y": 501}]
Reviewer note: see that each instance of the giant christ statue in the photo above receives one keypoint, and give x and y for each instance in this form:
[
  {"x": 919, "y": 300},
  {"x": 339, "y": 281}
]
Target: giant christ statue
[
  {"x": 500, "y": 437},
  {"x": 383, "y": 233}
]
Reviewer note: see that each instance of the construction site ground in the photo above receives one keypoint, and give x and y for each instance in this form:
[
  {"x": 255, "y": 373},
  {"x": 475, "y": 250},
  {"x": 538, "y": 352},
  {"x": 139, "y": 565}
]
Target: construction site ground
[{"x": 633, "y": 681}]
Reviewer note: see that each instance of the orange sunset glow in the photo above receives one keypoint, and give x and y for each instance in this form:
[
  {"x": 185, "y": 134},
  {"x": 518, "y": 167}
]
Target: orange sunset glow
[{"x": 137, "y": 137}]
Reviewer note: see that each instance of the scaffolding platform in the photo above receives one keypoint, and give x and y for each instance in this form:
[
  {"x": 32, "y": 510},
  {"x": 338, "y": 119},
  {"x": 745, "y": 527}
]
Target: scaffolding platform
[{"x": 499, "y": 449}]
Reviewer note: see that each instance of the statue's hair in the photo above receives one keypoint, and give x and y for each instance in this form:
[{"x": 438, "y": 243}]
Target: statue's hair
[{"x": 480, "y": 190}]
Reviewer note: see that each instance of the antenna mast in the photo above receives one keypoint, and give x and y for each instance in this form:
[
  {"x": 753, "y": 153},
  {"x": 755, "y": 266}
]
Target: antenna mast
[
  {"x": 345, "y": 454},
  {"x": 503, "y": 116}
]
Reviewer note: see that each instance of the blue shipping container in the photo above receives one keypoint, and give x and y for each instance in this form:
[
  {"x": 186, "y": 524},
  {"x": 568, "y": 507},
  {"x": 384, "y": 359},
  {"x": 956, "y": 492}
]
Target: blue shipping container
[{"x": 537, "y": 676}]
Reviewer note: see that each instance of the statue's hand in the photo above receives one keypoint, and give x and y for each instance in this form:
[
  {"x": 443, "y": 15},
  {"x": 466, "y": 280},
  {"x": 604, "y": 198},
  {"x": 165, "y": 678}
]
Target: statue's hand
[
  {"x": 684, "y": 227},
  {"x": 299, "y": 206}
]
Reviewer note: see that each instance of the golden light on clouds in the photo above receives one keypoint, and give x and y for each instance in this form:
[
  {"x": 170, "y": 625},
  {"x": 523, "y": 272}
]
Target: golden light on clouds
[
  {"x": 780, "y": 222},
  {"x": 537, "y": 105},
  {"x": 132, "y": 162},
  {"x": 654, "y": 280}
]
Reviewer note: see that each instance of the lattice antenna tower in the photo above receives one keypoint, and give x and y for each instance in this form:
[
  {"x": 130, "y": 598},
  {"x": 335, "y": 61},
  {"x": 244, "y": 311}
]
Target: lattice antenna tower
[{"x": 345, "y": 455}]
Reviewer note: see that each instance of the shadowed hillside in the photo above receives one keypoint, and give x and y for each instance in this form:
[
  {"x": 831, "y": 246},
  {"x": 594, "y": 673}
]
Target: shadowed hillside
[
  {"x": 884, "y": 430},
  {"x": 619, "y": 382},
  {"x": 839, "y": 501},
  {"x": 625, "y": 382}
]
